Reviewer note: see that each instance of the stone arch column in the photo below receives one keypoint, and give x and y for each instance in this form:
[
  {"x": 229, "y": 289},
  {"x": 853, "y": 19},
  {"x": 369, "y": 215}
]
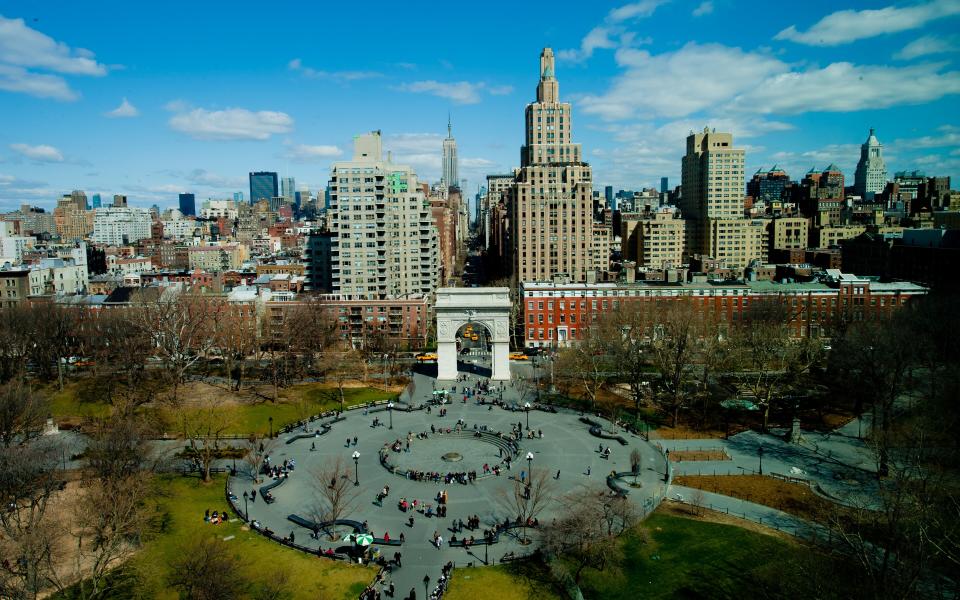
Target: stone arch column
[{"x": 456, "y": 307}]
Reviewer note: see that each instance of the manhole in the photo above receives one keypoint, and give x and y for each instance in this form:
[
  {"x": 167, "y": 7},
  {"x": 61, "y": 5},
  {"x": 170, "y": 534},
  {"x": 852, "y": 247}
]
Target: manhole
[{"x": 452, "y": 457}]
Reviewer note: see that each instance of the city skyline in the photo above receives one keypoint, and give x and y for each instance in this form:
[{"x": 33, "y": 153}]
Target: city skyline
[{"x": 110, "y": 114}]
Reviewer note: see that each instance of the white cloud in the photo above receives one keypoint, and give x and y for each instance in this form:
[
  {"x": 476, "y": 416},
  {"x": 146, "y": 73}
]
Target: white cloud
[
  {"x": 851, "y": 88},
  {"x": 231, "y": 124},
  {"x": 705, "y": 8},
  {"x": 845, "y": 26},
  {"x": 461, "y": 92},
  {"x": 676, "y": 84},
  {"x": 308, "y": 153},
  {"x": 40, "y": 153},
  {"x": 644, "y": 8},
  {"x": 476, "y": 163},
  {"x": 500, "y": 90},
  {"x": 414, "y": 142},
  {"x": 925, "y": 46},
  {"x": 25, "y": 47},
  {"x": 611, "y": 33},
  {"x": 125, "y": 110},
  {"x": 729, "y": 80},
  {"x": 40, "y": 85},
  {"x": 340, "y": 76},
  {"x": 208, "y": 179}
]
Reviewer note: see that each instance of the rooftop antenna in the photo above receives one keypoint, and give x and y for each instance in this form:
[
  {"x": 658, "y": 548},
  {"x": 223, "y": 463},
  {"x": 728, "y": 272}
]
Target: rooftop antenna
[{"x": 449, "y": 127}]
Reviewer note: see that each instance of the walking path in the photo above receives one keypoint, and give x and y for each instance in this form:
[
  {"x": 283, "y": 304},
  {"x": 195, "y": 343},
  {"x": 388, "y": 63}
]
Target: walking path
[{"x": 567, "y": 447}]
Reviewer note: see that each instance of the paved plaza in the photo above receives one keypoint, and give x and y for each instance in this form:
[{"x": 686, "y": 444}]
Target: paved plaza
[{"x": 566, "y": 447}]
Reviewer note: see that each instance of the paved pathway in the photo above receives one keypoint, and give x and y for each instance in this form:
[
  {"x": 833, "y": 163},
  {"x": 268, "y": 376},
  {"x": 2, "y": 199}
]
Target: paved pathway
[
  {"x": 839, "y": 464},
  {"x": 566, "y": 446}
]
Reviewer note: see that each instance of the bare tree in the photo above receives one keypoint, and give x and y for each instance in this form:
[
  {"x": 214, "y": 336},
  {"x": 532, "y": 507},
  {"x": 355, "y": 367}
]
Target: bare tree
[
  {"x": 258, "y": 449},
  {"x": 204, "y": 426},
  {"x": 16, "y": 336},
  {"x": 584, "y": 365},
  {"x": 340, "y": 365},
  {"x": 110, "y": 516},
  {"x": 30, "y": 476},
  {"x": 585, "y": 533},
  {"x": 675, "y": 347},
  {"x": 636, "y": 461},
  {"x": 22, "y": 411},
  {"x": 770, "y": 359},
  {"x": 207, "y": 568},
  {"x": 525, "y": 500},
  {"x": 628, "y": 335},
  {"x": 181, "y": 326},
  {"x": 335, "y": 496}
]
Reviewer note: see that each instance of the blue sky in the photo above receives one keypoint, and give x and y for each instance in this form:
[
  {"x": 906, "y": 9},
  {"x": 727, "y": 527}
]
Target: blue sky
[{"x": 151, "y": 100}]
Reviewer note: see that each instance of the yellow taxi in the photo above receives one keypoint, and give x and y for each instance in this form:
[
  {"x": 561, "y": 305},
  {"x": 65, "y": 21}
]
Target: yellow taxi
[
  {"x": 518, "y": 356},
  {"x": 426, "y": 356}
]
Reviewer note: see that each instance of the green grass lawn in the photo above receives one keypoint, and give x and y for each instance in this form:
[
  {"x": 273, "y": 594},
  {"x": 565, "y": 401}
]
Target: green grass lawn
[
  {"x": 180, "y": 508},
  {"x": 685, "y": 558},
  {"x": 504, "y": 582},
  {"x": 300, "y": 401},
  {"x": 682, "y": 558},
  {"x": 77, "y": 399}
]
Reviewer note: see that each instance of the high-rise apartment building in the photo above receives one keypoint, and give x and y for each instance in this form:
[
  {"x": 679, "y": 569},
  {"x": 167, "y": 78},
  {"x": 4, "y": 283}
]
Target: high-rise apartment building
[
  {"x": 551, "y": 198},
  {"x": 188, "y": 205},
  {"x": 712, "y": 186},
  {"x": 120, "y": 225},
  {"x": 72, "y": 220},
  {"x": 263, "y": 186},
  {"x": 653, "y": 239},
  {"x": 871, "y": 175},
  {"x": 384, "y": 239},
  {"x": 451, "y": 175},
  {"x": 119, "y": 201}
]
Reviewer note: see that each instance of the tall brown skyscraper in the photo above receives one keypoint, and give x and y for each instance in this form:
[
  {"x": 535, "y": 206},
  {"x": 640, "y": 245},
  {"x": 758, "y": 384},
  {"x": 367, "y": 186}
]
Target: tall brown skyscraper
[{"x": 550, "y": 200}]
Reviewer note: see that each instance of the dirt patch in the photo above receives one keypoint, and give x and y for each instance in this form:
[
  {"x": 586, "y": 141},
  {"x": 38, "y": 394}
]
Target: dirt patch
[
  {"x": 201, "y": 392},
  {"x": 711, "y": 516},
  {"x": 794, "y": 498},
  {"x": 693, "y": 455},
  {"x": 684, "y": 432}
]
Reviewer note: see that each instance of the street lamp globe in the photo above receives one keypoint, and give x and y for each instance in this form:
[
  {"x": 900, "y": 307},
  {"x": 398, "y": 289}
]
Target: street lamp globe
[{"x": 356, "y": 468}]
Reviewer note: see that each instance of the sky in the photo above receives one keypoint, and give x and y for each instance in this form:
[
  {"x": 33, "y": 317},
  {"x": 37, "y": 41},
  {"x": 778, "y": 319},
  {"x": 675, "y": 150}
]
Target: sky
[{"x": 153, "y": 99}]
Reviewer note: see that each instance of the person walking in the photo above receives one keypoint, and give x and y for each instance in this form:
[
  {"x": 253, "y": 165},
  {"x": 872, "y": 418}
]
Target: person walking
[{"x": 557, "y": 476}]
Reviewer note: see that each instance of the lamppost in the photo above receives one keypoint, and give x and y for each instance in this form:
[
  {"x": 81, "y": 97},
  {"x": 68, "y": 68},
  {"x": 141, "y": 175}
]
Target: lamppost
[
  {"x": 356, "y": 468},
  {"x": 426, "y": 586},
  {"x": 526, "y": 408},
  {"x": 390, "y": 410},
  {"x": 760, "y": 454},
  {"x": 530, "y": 464},
  {"x": 246, "y": 510},
  {"x": 271, "y": 426}
]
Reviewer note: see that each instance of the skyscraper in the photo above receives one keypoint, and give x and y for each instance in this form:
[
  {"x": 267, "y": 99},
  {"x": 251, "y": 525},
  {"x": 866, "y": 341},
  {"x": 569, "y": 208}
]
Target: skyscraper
[
  {"x": 450, "y": 176},
  {"x": 385, "y": 243},
  {"x": 551, "y": 197},
  {"x": 188, "y": 204},
  {"x": 664, "y": 185},
  {"x": 608, "y": 196},
  {"x": 871, "y": 175},
  {"x": 712, "y": 183},
  {"x": 119, "y": 201},
  {"x": 96, "y": 201},
  {"x": 263, "y": 186}
]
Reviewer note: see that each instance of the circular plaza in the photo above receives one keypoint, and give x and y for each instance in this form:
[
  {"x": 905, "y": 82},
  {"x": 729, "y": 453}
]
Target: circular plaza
[{"x": 435, "y": 477}]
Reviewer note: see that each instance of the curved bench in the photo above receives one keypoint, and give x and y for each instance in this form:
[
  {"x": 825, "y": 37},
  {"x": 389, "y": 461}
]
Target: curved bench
[
  {"x": 596, "y": 430},
  {"x": 494, "y": 539},
  {"x": 616, "y": 485},
  {"x": 266, "y": 488},
  {"x": 357, "y": 527}
]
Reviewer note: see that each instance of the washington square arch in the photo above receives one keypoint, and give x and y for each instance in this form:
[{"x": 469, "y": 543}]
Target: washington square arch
[{"x": 489, "y": 307}]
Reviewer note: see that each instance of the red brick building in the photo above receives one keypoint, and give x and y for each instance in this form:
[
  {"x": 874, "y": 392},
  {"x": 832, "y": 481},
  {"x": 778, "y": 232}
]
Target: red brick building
[{"x": 558, "y": 313}]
